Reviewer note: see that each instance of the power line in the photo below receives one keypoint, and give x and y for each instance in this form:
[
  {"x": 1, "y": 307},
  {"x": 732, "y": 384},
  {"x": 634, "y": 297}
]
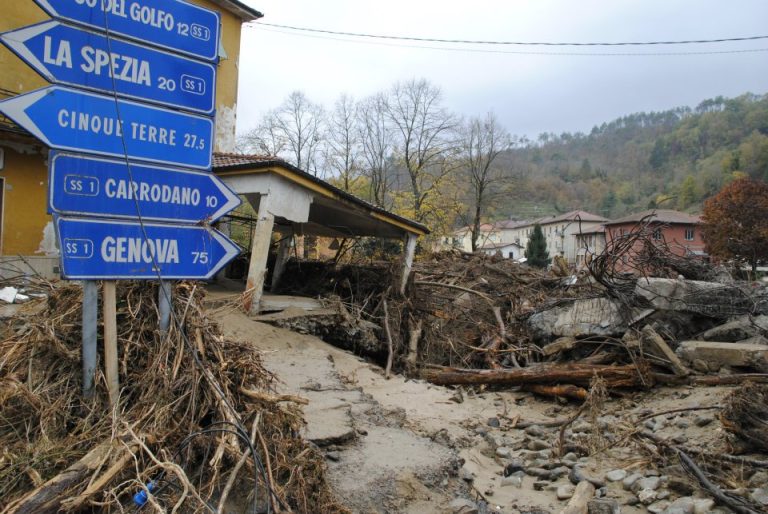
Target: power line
[
  {"x": 511, "y": 52},
  {"x": 508, "y": 43}
]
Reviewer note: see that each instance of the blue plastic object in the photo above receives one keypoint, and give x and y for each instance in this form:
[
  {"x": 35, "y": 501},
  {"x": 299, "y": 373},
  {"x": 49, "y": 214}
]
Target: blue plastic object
[{"x": 141, "y": 498}]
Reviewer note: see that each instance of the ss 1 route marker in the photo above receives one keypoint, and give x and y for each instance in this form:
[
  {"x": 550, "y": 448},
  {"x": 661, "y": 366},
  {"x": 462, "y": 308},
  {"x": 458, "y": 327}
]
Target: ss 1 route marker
[
  {"x": 68, "y": 119},
  {"x": 94, "y": 249},
  {"x": 90, "y": 186},
  {"x": 64, "y": 54},
  {"x": 171, "y": 24}
]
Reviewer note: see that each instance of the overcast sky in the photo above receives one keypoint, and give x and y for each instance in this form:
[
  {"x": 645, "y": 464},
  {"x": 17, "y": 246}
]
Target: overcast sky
[{"x": 529, "y": 93}]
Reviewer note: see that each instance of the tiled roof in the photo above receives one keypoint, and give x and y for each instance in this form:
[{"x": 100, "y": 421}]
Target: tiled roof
[
  {"x": 493, "y": 246},
  {"x": 572, "y": 216},
  {"x": 511, "y": 224},
  {"x": 658, "y": 216},
  {"x": 224, "y": 162}
]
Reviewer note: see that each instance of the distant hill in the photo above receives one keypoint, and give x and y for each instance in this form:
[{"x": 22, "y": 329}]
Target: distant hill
[{"x": 674, "y": 159}]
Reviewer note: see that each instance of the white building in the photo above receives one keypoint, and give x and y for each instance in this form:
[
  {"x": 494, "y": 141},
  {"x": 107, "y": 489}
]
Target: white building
[{"x": 561, "y": 232}]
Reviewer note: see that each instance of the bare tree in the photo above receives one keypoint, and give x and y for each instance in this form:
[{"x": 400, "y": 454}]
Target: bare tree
[
  {"x": 343, "y": 144},
  {"x": 425, "y": 129},
  {"x": 483, "y": 139},
  {"x": 294, "y": 131},
  {"x": 377, "y": 140}
]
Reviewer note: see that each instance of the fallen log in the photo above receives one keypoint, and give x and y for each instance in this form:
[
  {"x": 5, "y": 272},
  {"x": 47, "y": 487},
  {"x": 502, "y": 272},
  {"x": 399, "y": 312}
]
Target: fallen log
[
  {"x": 564, "y": 391},
  {"x": 48, "y": 497},
  {"x": 577, "y": 374}
]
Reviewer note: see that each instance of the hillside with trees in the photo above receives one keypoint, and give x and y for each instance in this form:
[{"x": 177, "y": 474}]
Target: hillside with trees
[{"x": 402, "y": 149}]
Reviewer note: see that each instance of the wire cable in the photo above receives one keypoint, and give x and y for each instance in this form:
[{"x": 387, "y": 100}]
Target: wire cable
[
  {"x": 509, "y": 43},
  {"x": 512, "y": 52}
]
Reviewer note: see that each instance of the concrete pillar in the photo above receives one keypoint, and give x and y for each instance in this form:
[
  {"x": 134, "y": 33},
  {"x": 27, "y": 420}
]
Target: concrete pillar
[
  {"x": 407, "y": 262},
  {"x": 283, "y": 254},
  {"x": 257, "y": 270}
]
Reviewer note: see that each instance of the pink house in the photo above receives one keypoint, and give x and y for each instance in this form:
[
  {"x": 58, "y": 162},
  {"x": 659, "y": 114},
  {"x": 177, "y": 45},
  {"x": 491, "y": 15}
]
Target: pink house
[{"x": 681, "y": 232}]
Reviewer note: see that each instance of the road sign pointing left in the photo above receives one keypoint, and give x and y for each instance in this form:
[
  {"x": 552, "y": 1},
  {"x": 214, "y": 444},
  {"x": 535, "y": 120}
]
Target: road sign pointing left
[
  {"x": 68, "y": 119},
  {"x": 102, "y": 249},
  {"x": 67, "y": 55}
]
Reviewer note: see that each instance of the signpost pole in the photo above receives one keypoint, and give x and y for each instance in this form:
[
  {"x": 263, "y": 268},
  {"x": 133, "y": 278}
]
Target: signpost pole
[
  {"x": 90, "y": 328},
  {"x": 110, "y": 342},
  {"x": 164, "y": 305}
]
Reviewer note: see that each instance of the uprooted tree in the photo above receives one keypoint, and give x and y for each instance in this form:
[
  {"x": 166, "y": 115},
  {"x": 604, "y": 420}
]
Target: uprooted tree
[
  {"x": 736, "y": 222},
  {"x": 536, "y": 250}
]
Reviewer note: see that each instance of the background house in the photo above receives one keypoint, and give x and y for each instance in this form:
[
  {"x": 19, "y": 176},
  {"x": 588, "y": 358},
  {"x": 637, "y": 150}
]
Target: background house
[{"x": 679, "y": 231}]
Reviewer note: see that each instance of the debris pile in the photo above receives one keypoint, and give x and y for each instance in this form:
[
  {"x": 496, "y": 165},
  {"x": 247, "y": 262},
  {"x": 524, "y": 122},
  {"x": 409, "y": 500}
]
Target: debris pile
[{"x": 197, "y": 425}]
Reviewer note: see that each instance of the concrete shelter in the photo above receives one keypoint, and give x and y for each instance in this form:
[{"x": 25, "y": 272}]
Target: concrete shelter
[{"x": 290, "y": 201}]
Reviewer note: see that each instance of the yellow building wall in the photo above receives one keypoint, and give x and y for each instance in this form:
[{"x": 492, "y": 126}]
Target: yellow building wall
[{"x": 25, "y": 216}]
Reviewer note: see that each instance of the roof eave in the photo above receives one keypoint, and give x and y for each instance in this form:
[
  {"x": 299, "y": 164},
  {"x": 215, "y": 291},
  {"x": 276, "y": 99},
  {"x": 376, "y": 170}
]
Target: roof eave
[{"x": 238, "y": 8}]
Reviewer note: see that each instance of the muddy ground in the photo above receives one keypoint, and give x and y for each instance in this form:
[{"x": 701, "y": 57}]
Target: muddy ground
[{"x": 407, "y": 446}]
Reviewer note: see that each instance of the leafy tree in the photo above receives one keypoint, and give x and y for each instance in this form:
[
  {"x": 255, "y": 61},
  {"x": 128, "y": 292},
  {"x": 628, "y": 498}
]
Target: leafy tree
[
  {"x": 536, "y": 250},
  {"x": 736, "y": 222},
  {"x": 687, "y": 194}
]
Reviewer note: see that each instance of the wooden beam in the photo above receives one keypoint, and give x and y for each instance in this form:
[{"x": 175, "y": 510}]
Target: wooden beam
[
  {"x": 257, "y": 270},
  {"x": 407, "y": 262},
  {"x": 110, "y": 342},
  {"x": 654, "y": 341}
]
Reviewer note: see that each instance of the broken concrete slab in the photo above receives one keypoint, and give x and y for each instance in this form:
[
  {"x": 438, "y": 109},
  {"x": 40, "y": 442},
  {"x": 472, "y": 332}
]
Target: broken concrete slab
[
  {"x": 704, "y": 298},
  {"x": 738, "y": 329},
  {"x": 716, "y": 354},
  {"x": 593, "y": 316}
]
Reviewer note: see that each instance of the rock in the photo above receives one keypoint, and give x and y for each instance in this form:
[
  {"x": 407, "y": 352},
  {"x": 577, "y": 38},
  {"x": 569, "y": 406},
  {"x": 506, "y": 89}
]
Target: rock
[
  {"x": 663, "y": 494},
  {"x": 703, "y": 420},
  {"x": 493, "y": 440},
  {"x": 537, "y": 444},
  {"x": 650, "y": 424},
  {"x": 630, "y": 480},
  {"x": 758, "y": 479},
  {"x": 570, "y": 457},
  {"x": 681, "y": 486},
  {"x": 565, "y": 491},
  {"x": 494, "y": 422},
  {"x": 503, "y": 452},
  {"x": 463, "y": 506},
  {"x": 593, "y": 316},
  {"x": 539, "y": 485},
  {"x": 534, "y": 431},
  {"x": 684, "y": 505},
  {"x": 760, "y": 496},
  {"x": 703, "y": 505},
  {"x": 646, "y": 496},
  {"x": 512, "y": 481},
  {"x": 658, "y": 507},
  {"x": 577, "y": 475},
  {"x": 720, "y": 354},
  {"x": 737, "y": 330},
  {"x": 538, "y": 472},
  {"x": 603, "y": 506},
  {"x": 466, "y": 475},
  {"x": 545, "y": 454},
  {"x": 581, "y": 427},
  {"x": 649, "y": 483},
  {"x": 682, "y": 423},
  {"x": 558, "y": 472},
  {"x": 616, "y": 475},
  {"x": 333, "y": 456},
  {"x": 481, "y": 431},
  {"x": 680, "y": 439}
]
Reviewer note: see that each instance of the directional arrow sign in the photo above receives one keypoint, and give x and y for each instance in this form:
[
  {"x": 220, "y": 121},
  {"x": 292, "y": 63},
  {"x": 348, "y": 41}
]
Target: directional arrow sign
[
  {"x": 170, "y": 24},
  {"x": 67, "y": 119},
  {"x": 110, "y": 250},
  {"x": 89, "y": 186},
  {"x": 67, "y": 55}
]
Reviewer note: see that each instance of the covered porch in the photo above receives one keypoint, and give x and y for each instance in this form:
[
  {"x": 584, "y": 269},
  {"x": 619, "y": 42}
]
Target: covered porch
[{"x": 291, "y": 202}]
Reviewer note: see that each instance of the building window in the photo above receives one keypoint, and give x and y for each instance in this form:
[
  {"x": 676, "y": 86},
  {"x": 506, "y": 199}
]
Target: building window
[
  {"x": 657, "y": 234},
  {"x": 511, "y": 255},
  {"x": 689, "y": 234}
]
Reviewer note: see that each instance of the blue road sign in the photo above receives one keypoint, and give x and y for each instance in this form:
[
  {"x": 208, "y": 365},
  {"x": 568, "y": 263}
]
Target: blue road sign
[
  {"x": 67, "y": 119},
  {"x": 67, "y": 55},
  {"x": 89, "y": 186},
  {"x": 172, "y": 24},
  {"x": 101, "y": 249}
]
